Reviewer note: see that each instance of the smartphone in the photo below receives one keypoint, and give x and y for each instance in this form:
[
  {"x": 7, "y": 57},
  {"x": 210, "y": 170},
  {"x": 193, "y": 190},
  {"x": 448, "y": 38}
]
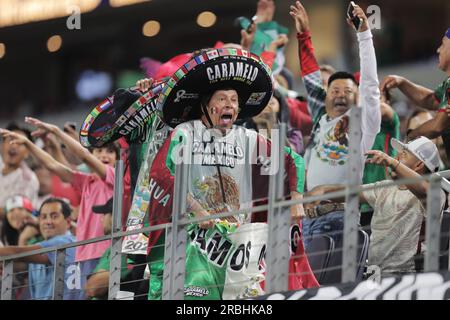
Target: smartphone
[
  {"x": 245, "y": 23},
  {"x": 357, "y": 22},
  {"x": 250, "y": 25}
]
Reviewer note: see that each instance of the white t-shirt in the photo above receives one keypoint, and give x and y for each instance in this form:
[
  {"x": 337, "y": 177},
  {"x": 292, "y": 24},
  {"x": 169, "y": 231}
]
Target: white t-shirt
[
  {"x": 395, "y": 226},
  {"x": 327, "y": 159},
  {"x": 21, "y": 181},
  {"x": 229, "y": 153}
]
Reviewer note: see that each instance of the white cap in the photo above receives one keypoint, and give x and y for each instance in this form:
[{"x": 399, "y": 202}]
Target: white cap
[{"x": 423, "y": 148}]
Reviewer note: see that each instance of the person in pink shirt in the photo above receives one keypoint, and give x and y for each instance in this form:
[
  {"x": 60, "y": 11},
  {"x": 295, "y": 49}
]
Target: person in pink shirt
[{"x": 95, "y": 188}]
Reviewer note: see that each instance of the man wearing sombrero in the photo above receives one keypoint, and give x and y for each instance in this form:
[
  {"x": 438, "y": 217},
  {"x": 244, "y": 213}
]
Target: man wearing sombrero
[{"x": 202, "y": 100}]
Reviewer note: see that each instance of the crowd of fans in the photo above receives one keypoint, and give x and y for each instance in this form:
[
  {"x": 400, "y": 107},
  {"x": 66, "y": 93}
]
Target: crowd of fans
[{"x": 53, "y": 191}]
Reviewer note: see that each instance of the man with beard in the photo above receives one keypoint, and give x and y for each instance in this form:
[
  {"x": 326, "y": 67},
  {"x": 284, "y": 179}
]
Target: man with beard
[{"x": 398, "y": 210}]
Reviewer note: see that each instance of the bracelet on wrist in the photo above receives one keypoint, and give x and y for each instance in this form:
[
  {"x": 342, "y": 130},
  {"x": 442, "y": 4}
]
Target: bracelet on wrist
[{"x": 394, "y": 168}]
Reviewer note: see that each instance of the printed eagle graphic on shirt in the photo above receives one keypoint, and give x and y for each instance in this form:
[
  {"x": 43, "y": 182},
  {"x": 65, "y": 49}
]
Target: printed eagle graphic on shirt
[{"x": 334, "y": 148}]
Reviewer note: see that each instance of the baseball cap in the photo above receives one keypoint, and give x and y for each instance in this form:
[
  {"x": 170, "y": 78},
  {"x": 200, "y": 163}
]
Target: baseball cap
[
  {"x": 104, "y": 208},
  {"x": 19, "y": 202},
  {"x": 423, "y": 148}
]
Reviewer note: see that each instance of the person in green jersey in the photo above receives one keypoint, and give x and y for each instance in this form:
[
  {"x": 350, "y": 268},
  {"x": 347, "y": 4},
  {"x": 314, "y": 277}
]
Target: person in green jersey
[
  {"x": 429, "y": 99},
  {"x": 390, "y": 128}
]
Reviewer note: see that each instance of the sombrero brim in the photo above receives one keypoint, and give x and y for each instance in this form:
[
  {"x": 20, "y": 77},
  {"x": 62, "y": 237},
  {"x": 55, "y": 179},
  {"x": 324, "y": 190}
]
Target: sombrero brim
[
  {"x": 104, "y": 125},
  {"x": 212, "y": 70}
]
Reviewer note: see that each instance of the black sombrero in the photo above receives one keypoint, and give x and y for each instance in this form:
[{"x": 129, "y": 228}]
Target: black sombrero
[
  {"x": 211, "y": 70},
  {"x": 122, "y": 115}
]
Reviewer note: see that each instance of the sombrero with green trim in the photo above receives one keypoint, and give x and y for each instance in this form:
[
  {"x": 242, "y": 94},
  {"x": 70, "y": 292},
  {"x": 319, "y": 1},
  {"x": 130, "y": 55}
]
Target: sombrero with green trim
[
  {"x": 212, "y": 70},
  {"x": 124, "y": 114}
]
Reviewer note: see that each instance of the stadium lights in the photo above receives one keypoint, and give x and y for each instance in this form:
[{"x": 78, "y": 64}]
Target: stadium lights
[
  {"x": 151, "y": 28},
  {"x": 206, "y": 19},
  {"x": 15, "y": 12},
  {"x": 2, "y": 50},
  {"x": 54, "y": 43},
  {"x": 121, "y": 3}
]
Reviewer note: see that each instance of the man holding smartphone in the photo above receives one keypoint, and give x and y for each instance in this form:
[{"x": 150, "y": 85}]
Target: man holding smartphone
[
  {"x": 357, "y": 22},
  {"x": 327, "y": 154}
]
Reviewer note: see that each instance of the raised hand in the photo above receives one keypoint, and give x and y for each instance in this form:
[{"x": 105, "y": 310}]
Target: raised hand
[
  {"x": 51, "y": 143},
  {"x": 358, "y": 12},
  {"x": 144, "y": 84},
  {"x": 208, "y": 224},
  {"x": 43, "y": 127},
  {"x": 247, "y": 36},
  {"x": 391, "y": 82},
  {"x": 14, "y": 136},
  {"x": 298, "y": 13},
  {"x": 380, "y": 158},
  {"x": 280, "y": 41},
  {"x": 447, "y": 110}
]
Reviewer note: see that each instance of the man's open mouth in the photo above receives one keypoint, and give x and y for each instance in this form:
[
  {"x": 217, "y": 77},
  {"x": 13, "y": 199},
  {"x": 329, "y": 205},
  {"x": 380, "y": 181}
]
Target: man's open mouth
[
  {"x": 12, "y": 153},
  {"x": 340, "y": 104},
  {"x": 225, "y": 119}
]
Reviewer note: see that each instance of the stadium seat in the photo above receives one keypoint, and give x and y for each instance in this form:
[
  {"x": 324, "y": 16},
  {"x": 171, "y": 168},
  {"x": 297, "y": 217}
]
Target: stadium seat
[
  {"x": 319, "y": 252},
  {"x": 363, "y": 246},
  {"x": 334, "y": 273},
  {"x": 419, "y": 259}
]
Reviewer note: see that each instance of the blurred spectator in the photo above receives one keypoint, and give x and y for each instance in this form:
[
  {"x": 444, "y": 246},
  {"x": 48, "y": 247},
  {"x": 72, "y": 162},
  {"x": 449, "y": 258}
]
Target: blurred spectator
[
  {"x": 325, "y": 73},
  {"x": 20, "y": 227},
  {"x": 266, "y": 32},
  {"x": 53, "y": 185},
  {"x": 275, "y": 112},
  {"x": 297, "y": 116},
  {"x": 327, "y": 154},
  {"x": 94, "y": 188},
  {"x": 98, "y": 283},
  {"x": 390, "y": 128},
  {"x": 429, "y": 99},
  {"x": 19, "y": 214},
  {"x": 59, "y": 188},
  {"x": 419, "y": 117},
  {"x": 54, "y": 224},
  {"x": 45, "y": 183},
  {"x": 398, "y": 210},
  {"x": 15, "y": 176}
]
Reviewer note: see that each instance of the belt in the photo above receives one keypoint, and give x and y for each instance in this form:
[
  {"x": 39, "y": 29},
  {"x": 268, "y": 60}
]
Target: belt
[{"x": 323, "y": 209}]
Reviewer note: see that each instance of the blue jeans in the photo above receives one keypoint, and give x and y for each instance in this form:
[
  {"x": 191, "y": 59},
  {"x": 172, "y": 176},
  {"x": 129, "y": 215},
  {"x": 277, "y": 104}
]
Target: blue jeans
[{"x": 331, "y": 224}]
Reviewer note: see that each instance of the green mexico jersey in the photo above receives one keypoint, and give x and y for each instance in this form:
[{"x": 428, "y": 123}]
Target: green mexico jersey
[
  {"x": 374, "y": 173},
  {"x": 442, "y": 93}
]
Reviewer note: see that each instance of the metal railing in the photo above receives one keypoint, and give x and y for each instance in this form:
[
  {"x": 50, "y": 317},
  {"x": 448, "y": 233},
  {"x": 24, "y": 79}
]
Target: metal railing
[{"x": 279, "y": 223}]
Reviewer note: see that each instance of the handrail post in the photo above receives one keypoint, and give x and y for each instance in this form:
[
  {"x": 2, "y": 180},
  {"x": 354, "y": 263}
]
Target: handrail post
[{"x": 116, "y": 242}]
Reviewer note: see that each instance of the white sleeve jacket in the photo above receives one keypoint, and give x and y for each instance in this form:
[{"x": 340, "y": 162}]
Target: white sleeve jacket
[{"x": 369, "y": 93}]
